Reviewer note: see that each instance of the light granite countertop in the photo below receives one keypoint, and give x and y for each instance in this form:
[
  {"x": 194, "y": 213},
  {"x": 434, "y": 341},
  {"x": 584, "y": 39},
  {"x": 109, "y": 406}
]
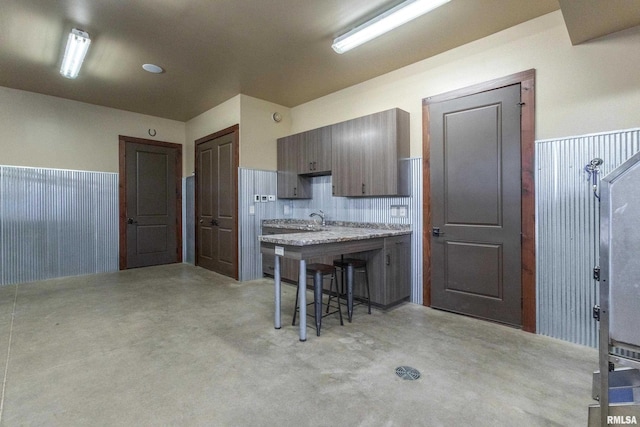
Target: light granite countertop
[{"x": 312, "y": 233}]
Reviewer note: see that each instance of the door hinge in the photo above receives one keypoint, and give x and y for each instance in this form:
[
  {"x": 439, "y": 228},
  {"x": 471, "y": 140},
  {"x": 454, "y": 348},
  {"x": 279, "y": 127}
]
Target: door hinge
[
  {"x": 596, "y": 312},
  {"x": 596, "y": 273}
]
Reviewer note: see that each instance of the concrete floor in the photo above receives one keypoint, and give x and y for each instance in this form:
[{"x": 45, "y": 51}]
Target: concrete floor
[{"x": 178, "y": 345}]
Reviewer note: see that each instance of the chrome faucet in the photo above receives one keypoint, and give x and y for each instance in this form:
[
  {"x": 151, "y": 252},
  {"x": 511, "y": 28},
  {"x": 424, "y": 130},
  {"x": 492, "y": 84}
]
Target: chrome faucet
[{"x": 320, "y": 215}]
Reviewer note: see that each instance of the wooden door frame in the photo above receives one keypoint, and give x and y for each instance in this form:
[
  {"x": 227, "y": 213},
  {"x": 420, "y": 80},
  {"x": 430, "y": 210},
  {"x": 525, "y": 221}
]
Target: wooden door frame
[
  {"x": 526, "y": 79},
  {"x": 235, "y": 129},
  {"x": 122, "y": 191}
]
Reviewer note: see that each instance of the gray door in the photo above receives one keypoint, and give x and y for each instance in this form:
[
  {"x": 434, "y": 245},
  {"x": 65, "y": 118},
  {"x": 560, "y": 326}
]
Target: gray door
[
  {"x": 151, "y": 200},
  {"x": 475, "y": 205},
  {"x": 216, "y": 187}
]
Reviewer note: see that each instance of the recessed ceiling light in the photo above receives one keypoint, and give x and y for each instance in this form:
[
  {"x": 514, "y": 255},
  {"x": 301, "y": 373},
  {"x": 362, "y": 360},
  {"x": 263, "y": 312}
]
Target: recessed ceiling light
[{"x": 152, "y": 68}]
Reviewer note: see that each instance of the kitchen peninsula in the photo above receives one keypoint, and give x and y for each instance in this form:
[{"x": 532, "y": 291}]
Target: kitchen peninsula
[{"x": 386, "y": 247}]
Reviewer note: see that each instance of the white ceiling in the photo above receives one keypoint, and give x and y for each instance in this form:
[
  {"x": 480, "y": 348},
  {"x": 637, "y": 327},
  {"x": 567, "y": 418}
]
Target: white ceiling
[{"x": 276, "y": 50}]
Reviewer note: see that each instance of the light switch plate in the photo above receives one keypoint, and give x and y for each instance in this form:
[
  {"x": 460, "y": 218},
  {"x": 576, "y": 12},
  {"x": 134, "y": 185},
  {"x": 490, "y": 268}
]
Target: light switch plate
[
  {"x": 256, "y": 198},
  {"x": 264, "y": 198}
]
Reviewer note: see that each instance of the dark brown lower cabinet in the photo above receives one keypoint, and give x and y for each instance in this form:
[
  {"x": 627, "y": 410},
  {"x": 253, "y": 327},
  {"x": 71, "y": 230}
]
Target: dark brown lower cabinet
[
  {"x": 389, "y": 273},
  {"x": 389, "y": 269}
]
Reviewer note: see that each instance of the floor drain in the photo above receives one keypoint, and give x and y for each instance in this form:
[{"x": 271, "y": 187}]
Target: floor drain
[{"x": 407, "y": 373}]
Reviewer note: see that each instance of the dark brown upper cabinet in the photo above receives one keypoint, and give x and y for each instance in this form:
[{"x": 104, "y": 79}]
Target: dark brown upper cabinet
[
  {"x": 301, "y": 156},
  {"x": 290, "y": 184},
  {"x": 366, "y": 153},
  {"x": 362, "y": 155},
  {"x": 315, "y": 151}
]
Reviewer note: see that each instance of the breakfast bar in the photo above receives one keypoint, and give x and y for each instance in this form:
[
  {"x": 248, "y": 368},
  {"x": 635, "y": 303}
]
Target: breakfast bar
[{"x": 333, "y": 239}]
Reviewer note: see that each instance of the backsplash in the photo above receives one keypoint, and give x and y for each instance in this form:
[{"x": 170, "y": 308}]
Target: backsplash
[
  {"x": 354, "y": 209},
  {"x": 370, "y": 209}
]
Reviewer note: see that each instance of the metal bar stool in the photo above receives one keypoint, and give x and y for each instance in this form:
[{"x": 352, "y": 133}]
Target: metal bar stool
[
  {"x": 359, "y": 266},
  {"x": 318, "y": 271}
]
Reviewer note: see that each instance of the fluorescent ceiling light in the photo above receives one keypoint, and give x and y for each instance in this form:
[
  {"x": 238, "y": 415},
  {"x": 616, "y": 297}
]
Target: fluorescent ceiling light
[
  {"x": 77, "y": 46},
  {"x": 393, "y": 18}
]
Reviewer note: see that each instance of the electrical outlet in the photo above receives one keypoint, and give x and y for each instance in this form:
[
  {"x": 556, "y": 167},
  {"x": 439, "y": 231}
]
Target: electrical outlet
[
  {"x": 256, "y": 198},
  {"x": 272, "y": 198},
  {"x": 399, "y": 210}
]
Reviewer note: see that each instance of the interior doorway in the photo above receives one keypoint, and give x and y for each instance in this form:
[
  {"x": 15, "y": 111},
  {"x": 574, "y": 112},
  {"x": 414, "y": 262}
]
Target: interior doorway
[
  {"x": 217, "y": 158},
  {"x": 150, "y": 202},
  {"x": 489, "y": 273}
]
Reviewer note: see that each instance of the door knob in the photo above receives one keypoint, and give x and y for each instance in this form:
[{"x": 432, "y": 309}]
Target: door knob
[
  {"x": 214, "y": 222},
  {"x": 131, "y": 221},
  {"x": 436, "y": 231}
]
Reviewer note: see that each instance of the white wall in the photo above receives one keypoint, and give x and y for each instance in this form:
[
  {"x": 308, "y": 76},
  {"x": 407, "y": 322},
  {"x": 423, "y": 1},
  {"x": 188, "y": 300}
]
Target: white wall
[
  {"x": 258, "y": 132},
  {"x": 593, "y": 87},
  {"x": 216, "y": 119},
  {"x": 588, "y": 88},
  {"x": 44, "y": 131}
]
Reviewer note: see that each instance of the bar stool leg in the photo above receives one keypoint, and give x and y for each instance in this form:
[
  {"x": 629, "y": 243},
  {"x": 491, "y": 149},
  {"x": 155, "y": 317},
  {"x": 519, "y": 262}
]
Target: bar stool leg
[
  {"x": 366, "y": 277},
  {"x": 350, "y": 291},
  {"x": 295, "y": 310},
  {"x": 334, "y": 279},
  {"x": 317, "y": 300}
]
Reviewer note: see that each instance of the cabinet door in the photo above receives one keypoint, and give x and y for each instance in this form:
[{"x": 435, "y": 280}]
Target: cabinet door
[
  {"x": 365, "y": 154},
  {"x": 288, "y": 267},
  {"x": 315, "y": 151},
  {"x": 290, "y": 184},
  {"x": 397, "y": 268},
  {"x": 348, "y": 140},
  {"x": 389, "y": 272},
  {"x": 379, "y": 157}
]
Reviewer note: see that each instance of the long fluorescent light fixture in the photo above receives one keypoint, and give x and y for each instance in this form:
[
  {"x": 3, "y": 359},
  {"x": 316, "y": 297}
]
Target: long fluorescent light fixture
[
  {"x": 393, "y": 18},
  {"x": 77, "y": 46}
]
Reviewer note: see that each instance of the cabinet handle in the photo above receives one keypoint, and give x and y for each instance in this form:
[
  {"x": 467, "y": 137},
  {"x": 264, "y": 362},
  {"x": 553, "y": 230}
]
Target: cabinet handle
[
  {"x": 363, "y": 189},
  {"x": 333, "y": 190},
  {"x": 310, "y": 166},
  {"x": 315, "y": 167},
  {"x": 295, "y": 191},
  {"x": 388, "y": 259}
]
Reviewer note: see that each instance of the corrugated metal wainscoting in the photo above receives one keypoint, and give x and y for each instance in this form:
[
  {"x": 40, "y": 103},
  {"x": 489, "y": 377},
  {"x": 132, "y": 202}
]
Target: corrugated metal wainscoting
[
  {"x": 374, "y": 209},
  {"x": 567, "y": 230},
  {"x": 254, "y": 182},
  {"x": 56, "y": 223},
  {"x": 188, "y": 220}
]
